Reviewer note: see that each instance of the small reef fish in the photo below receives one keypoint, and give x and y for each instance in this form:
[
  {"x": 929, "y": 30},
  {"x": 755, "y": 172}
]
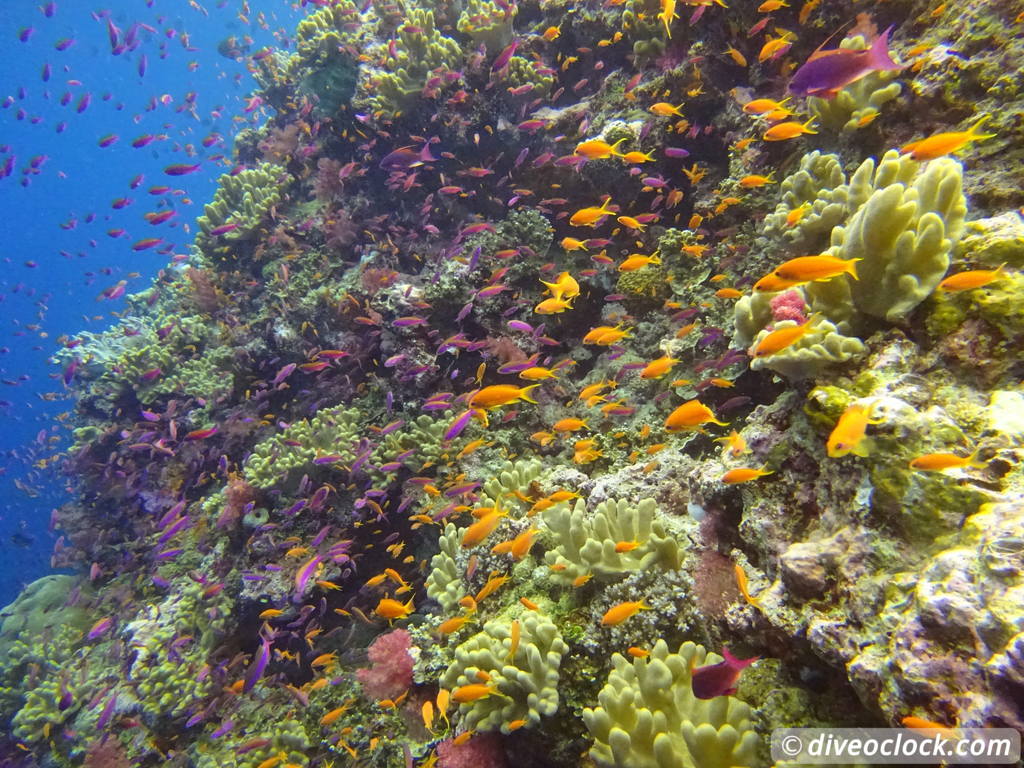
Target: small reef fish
[
  {"x": 975, "y": 278},
  {"x": 466, "y": 694},
  {"x": 658, "y": 368},
  {"x": 743, "y": 475},
  {"x": 713, "y": 680},
  {"x": 497, "y": 395},
  {"x": 940, "y": 462},
  {"x": 691, "y": 415},
  {"x": 806, "y": 269},
  {"x": 825, "y": 73},
  {"x": 743, "y": 585},
  {"x": 945, "y": 143},
  {"x": 392, "y": 609},
  {"x": 598, "y": 149},
  {"x": 622, "y": 611},
  {"x": 782, "y": 338},
  {"x": 788, "y": 130},
  {"x": 590, "y": 217},
  {"x": 848, "y": 436}
]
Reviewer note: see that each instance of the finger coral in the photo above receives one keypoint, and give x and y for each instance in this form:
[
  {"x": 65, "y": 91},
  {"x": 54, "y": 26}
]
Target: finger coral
[
  {"x": 522, "y": 673},
  {"x": 648, "y": 716}
]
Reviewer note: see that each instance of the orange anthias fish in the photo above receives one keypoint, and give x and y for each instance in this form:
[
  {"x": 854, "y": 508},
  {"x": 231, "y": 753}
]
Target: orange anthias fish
[
  {"x": 743, "y": 475},
  {"x": 806, "y": 269},
  {"x": 691, "y": 415},
  {"x": 619, "y": 613},
  {"x": 781, "y": 338},
  {"x": 598, "y": 149},
  {"x": 939, "y": 462},
  {"x": 658, "y": 368},
  {"x": 392, "y": 609},
  {"x": 501, "y": 394},
  {"x": 849, "y": 433},
  {"x": 788, "y": 130},
  {"x": 945, "y": 143},
  {"x": 975, "y": 278},
  {"x": 590, "y": 217}
]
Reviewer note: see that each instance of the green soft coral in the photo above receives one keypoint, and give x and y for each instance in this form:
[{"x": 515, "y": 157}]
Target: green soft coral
[
  {"x": 524, "y": 678},
  {"x": 420, "y": 51},
  {"x": 902, "y": 232},
  {"x": 444, "y": 582},
  {"x": 648, "y": 716},
  {"x": 585, "y": 542},
  {"x": 486, "y": 22},
  {"x": 899, "y": 220},
  {"x": 169, "y": 685},
  {"x": 242, "y": 200}
]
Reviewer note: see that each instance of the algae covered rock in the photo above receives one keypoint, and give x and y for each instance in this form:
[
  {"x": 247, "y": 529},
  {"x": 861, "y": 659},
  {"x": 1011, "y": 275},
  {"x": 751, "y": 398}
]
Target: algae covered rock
[{"x": 648, "y": 716}]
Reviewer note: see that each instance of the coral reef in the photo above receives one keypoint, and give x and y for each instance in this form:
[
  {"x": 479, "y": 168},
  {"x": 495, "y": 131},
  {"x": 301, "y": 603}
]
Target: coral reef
[
  {"x": 649, "y": 717},
  {"x": 858, "y": 104},
  {"x": 521, "y": 667},
  {"x": 461, "y": 413}
]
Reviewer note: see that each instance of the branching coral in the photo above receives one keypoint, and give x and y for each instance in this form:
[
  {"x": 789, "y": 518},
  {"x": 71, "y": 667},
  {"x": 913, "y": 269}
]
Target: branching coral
[
  {"x": 523, "y": 673},
  {"x": 585, "y": 542},
  {"x": 648, "y": 716}
]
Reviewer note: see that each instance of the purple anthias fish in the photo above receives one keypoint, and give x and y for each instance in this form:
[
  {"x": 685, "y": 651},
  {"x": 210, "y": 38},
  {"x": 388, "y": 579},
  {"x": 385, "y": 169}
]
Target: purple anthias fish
[
  {"x": 825, "y": 73},
  {"x": 719, "y": 679}
]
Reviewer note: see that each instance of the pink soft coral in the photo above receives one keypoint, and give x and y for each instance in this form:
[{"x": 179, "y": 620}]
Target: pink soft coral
[
  {"x": 481, "y": 751},
  {"x": 391, "y": 673},
  {"x": 788, "y": 306}
]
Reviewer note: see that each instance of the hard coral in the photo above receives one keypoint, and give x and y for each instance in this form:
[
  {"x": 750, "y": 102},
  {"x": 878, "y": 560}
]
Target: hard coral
[{"x": 391, "y": 673}]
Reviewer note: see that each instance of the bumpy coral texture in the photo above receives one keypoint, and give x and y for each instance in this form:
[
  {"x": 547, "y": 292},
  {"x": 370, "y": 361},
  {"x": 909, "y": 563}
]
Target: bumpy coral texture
[
  {"x": 648, "y": 716},
  {"x": 391, "y": 670}
]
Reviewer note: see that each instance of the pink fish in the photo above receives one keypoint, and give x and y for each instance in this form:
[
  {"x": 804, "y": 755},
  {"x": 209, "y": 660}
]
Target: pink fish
[
  {"x": 181, "y": 169},
  {"x": 504, "y": 57},
  {"x": 825, "y": 73},
  {"x": 714, "y": 680}
]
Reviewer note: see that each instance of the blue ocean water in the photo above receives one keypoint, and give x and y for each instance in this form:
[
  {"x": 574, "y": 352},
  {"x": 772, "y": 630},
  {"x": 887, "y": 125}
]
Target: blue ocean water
[{"x": 66, "y": 85}]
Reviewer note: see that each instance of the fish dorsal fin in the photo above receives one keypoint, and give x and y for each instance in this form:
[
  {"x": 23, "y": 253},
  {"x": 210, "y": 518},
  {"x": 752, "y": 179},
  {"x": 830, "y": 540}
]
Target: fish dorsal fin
[{"x": 818, "y": 52}]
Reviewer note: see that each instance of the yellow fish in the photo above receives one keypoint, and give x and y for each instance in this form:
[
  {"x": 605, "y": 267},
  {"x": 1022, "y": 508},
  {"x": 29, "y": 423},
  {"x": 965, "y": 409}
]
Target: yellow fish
[
  {"x": 849, "y": 432},
  {"x": 497, "y": 395},
  {"x": 589, "y": 217},
  {"x": 622, "y": 611}
]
